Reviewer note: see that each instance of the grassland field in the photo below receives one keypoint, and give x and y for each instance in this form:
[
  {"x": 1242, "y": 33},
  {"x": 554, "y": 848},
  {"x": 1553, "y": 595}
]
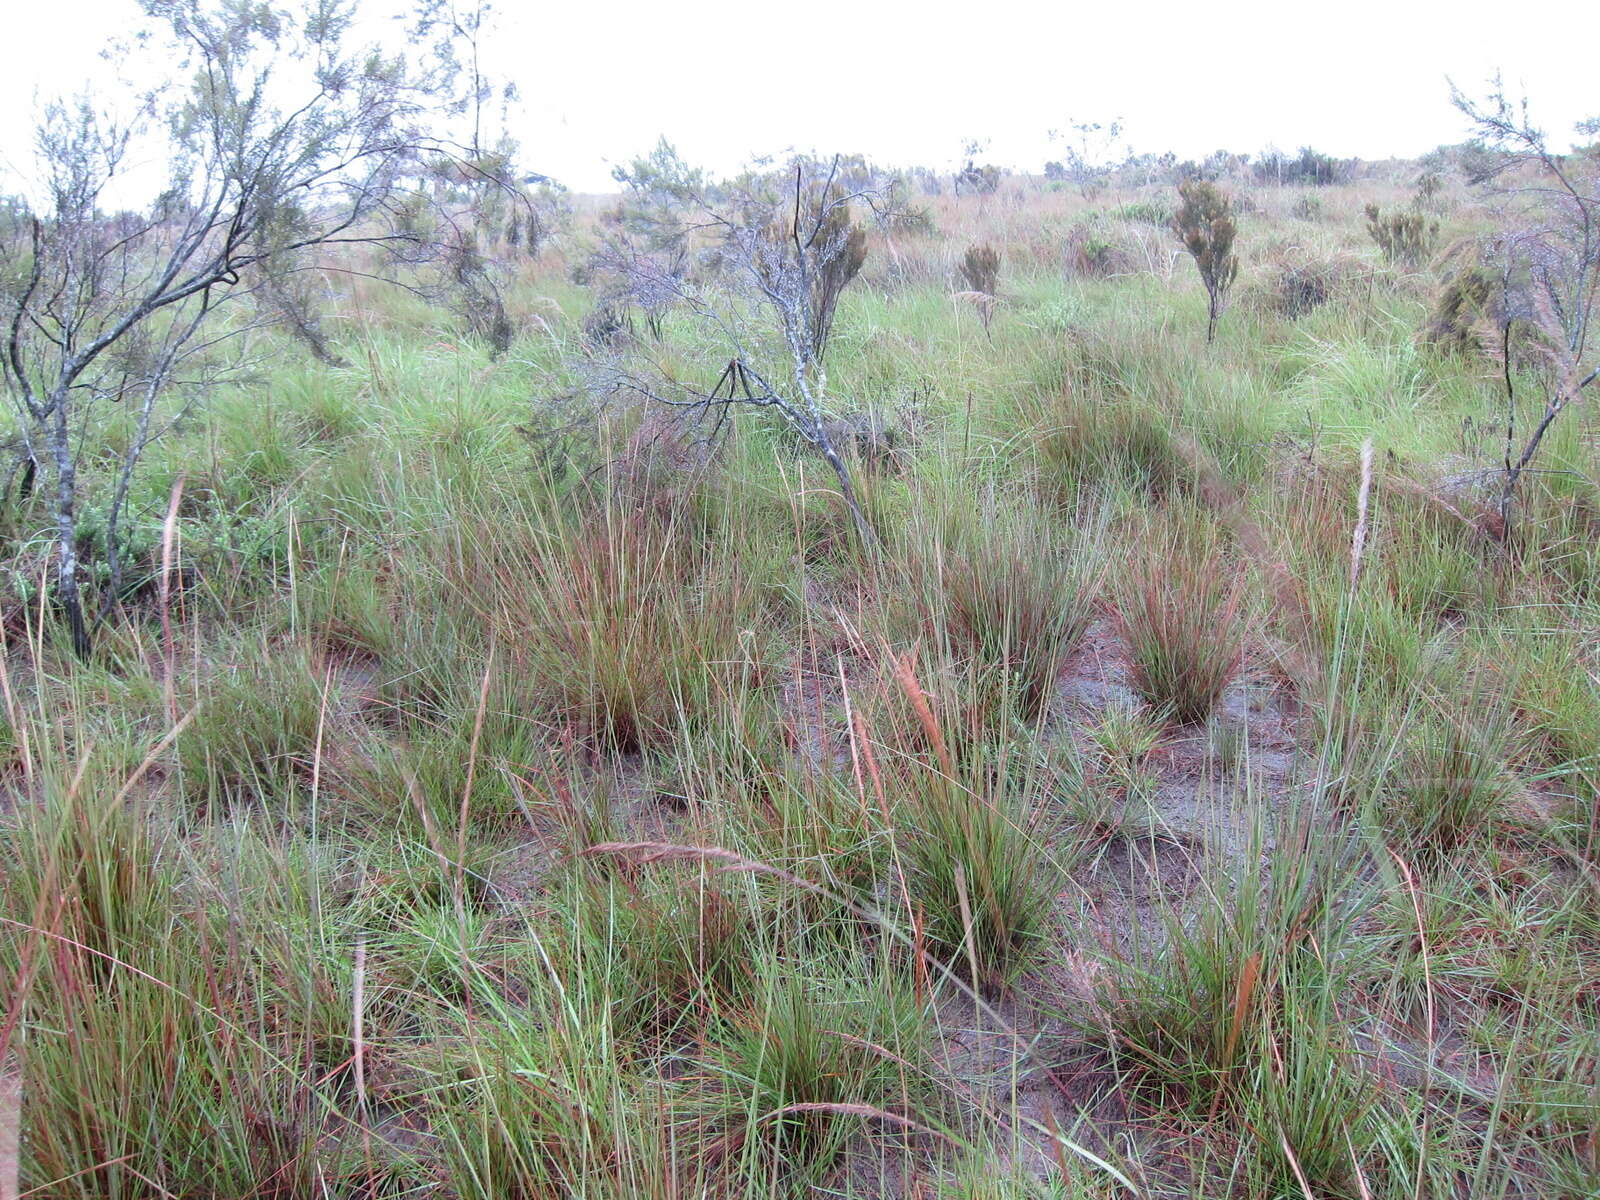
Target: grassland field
[{"x": 487, "y": 790}]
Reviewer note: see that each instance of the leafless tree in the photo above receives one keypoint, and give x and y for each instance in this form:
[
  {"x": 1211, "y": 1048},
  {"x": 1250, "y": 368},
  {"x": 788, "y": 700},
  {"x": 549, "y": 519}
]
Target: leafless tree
[
  {"x": 279, "y": 136},
  {"x": 788, "y": 247},
  {"x": 1545, "y": 261},
  {"x": 1089, "y": 151}
]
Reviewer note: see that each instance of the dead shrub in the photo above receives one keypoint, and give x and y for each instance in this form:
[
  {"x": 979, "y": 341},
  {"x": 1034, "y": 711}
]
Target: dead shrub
[{"x": 834, "y": 248}]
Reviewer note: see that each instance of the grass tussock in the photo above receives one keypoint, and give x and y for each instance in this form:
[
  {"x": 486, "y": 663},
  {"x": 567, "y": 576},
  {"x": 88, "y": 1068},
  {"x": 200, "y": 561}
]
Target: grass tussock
[
  {"x": 623, "y": 623},
  {"x": 1004, "y": 597},
  {"x": 1181, "y": 613}
]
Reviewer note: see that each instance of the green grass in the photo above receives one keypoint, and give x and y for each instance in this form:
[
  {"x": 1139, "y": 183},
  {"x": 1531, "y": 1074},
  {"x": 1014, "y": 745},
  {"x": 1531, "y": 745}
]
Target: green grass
[{"x": 512, "y": 794}]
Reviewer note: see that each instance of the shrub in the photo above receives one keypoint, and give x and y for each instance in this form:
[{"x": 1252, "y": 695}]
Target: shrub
[
  {"x": 1406, "y": 237},
  {"x": 980, "y": 267},
  {"x": 1307, "y": 208},
  {"x": 1205, "y": 226},
  {"x": 1307, "y": 167},
  {"x": 909, "y": 220},
  {"x": 1298, "y": 284},
  {"x": 1429, "y": 185},
  {"x": 1092, "y": 252},
  {"x": 477, "y": 291},
  {"x": 1146, "y": 211},
  {"x": 1179, "y": 611}
]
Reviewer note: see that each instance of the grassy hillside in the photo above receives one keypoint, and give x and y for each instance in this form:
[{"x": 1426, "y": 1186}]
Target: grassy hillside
[{"x": 487, "y": 791}]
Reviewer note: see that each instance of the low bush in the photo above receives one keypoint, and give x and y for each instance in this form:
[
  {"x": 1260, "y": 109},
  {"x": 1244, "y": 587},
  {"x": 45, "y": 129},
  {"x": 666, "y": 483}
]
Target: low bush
[
  {"x": 980, "y": 267},
  {"x": 1094, "y": 251},
  {"x": 1406, "y": 237}
]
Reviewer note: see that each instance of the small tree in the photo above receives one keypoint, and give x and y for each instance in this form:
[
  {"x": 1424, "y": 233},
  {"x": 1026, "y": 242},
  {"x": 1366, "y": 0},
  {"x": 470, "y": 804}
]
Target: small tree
[
  {"x": 1088, "y": 154},
  {"x": 278, "y": 137},
  {"x": 1204, "y": 224},
  {"x": 787, "y": 245},
  {"x": 1543, "y": 268},
  {"x": 971, "y": 178},
  {"x": 982, "y": 181}
]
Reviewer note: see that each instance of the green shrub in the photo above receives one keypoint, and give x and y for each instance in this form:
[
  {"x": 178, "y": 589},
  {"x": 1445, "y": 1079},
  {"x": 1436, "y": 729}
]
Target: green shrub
[
  {"x": 1148, "y": 210},
  {"x": 1406, "y": 237},
  {"x": 1094, "y": 251},
  {"x": 1205, "y": 225}
]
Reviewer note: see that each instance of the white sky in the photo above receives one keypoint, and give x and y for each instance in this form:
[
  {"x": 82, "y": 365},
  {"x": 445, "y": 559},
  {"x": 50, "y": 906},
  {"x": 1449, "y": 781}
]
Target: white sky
[{"x": 909, "y": 83}]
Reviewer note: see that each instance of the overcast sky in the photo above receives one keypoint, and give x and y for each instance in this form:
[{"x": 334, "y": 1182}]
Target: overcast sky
[{"x": 909, "y": 83}]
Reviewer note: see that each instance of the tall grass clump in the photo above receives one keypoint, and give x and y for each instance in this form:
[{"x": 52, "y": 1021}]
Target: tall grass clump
[
  {"x": 1181, "y": 612},
  {"x": 176, "y": 1038},
  {"x": 1231, "y": 1014},
  {"x": 978, "y": 870},
  {"x": 254, "y": 734},
  {"x": 1452, "y": 779},
  {"x": 668, "y": 951},
  {"x": 1006, "y": 595},
  {"x": 624, "y": 623},
  {"x": 832, "y": 1049},
  {"x": 1086, "y": 443},
  {"x": 980, "y": 875}
]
